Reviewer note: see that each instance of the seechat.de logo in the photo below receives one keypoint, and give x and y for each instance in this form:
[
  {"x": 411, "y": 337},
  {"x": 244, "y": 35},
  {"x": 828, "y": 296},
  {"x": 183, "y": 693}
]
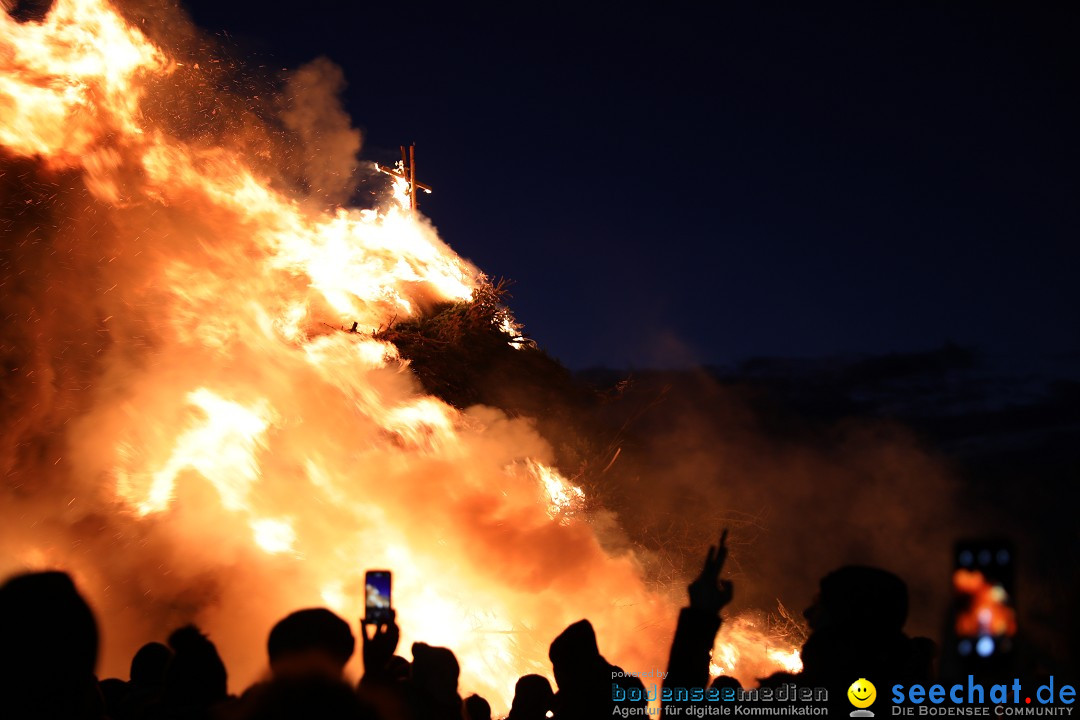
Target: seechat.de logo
[{"x": 862, "y": 695}]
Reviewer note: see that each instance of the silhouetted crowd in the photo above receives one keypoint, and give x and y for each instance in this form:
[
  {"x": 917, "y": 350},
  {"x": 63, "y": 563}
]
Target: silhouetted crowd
[{"x": 49, "y": 648}]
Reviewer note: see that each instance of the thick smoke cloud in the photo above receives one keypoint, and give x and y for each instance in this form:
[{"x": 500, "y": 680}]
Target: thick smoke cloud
[
  {"x": 802, "y": 502},
  {"x": 329, "y": 143},
  {"x": 679, "y": 456}
]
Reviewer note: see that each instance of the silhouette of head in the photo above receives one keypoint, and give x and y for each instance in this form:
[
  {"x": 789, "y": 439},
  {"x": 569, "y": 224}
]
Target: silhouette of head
[
  {"x": 477, "y": 708},
  {"x": 196, "y": 676},
  {"x": 726, "y": 682},
  {"x": 435, "y": 672},
  {"x": 150, "y": 663},
  {"x": 533, "y": 698},
  {"x": 574, "y": 655},
  {"x": 312, "y": 641},
  {"x": 861, "y": 599},
  {"x": 48, "y": 641}
]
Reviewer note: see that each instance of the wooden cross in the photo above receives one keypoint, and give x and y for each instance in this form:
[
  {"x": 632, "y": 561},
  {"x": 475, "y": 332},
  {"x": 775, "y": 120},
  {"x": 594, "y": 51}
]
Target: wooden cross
[{"x": 406, "y": 170}]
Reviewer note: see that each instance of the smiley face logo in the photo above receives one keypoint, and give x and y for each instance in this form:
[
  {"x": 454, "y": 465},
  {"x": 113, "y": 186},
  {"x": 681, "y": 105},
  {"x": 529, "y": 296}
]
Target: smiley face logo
[{"x": 862, "y": 693}]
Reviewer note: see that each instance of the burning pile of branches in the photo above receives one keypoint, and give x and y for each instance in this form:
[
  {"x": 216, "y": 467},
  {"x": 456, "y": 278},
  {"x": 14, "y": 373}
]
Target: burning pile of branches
[
  {"x": 164, "y": 394},
  {"x": 461, "y": 350}
]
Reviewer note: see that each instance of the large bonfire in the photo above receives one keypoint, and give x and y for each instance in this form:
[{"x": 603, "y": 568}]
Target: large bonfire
[{"x": 185, "y": 428}]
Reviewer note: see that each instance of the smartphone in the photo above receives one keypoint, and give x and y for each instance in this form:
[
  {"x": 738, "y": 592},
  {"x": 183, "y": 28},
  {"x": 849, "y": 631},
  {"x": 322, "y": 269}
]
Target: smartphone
[
  {"x": 984, "y": 606},
  {"x": 377, "y": 596}
]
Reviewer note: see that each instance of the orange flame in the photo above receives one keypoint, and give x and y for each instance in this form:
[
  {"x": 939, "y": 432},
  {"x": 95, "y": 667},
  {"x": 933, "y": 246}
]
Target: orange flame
[
  {"x": 747, "y": 651},
  {"x": 66, "y": 80}
]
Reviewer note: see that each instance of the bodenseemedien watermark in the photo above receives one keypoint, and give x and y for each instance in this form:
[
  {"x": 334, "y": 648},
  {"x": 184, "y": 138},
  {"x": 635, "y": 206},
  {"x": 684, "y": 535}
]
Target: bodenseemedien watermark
[{"x": 787, "y": 699}]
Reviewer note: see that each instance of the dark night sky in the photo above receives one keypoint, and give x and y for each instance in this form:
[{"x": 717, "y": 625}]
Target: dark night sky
[{"x": 707, "y": 182}]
